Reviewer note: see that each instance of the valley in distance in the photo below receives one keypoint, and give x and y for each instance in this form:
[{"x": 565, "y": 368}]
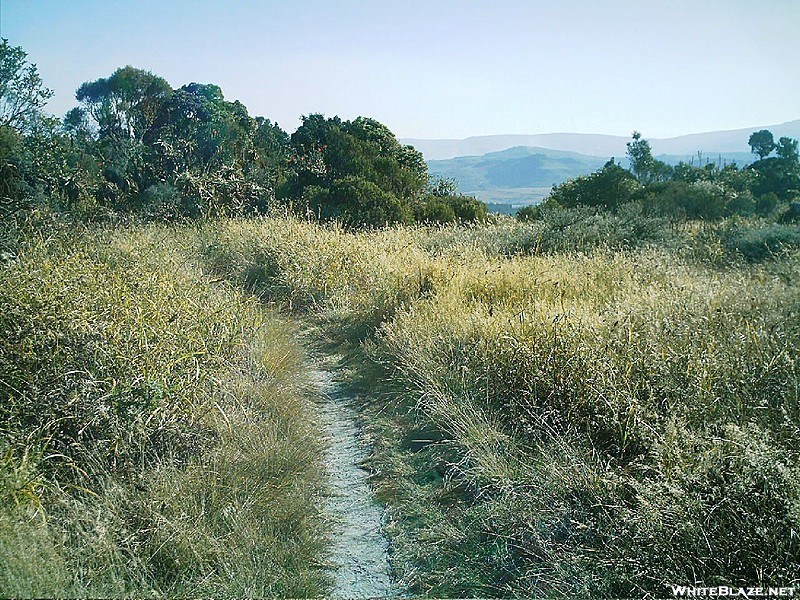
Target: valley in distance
[{"x": 509, "y": 172}]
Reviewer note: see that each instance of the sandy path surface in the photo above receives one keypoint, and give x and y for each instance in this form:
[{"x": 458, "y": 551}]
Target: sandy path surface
[{"x": 359, "y": 550}]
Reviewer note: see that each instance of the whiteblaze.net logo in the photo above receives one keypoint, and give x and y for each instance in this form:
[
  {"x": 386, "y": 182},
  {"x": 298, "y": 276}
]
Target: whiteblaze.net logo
[{"x": 726, "y": 591}]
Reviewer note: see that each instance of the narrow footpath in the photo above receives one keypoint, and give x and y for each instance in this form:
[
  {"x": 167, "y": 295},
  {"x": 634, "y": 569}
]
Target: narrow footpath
[{"x": 359, "y": 551}]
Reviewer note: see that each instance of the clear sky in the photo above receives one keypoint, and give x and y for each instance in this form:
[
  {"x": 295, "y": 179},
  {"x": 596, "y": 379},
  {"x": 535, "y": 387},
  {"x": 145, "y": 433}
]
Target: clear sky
[{"x": 442, "y": 68}]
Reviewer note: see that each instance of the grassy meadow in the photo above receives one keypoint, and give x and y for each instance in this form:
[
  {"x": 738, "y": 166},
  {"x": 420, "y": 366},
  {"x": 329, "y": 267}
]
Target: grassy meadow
[
  {"x": 590, "y": 404},
  {"x": 156, "y": 435},
  {"x": 585, "y": 405}
]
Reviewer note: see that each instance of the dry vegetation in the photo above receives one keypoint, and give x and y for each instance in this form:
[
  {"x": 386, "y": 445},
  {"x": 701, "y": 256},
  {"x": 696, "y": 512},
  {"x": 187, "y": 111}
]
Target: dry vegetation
[
  {"x": 156, "y": 440},
  {"x": 598, "y": 420},
  {"x": 604, "y": 421}
]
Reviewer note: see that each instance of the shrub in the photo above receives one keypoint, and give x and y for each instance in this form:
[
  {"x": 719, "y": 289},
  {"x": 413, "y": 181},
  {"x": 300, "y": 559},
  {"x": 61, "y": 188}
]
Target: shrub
[
  {"x": 697, "y": 200},
  {"x": 358, "y": 202},
  {"x": 611, "y": 186},
  {"x": 450, "y": 208},
  {"x": 468, "y": 209},
  {"x": 761, "y": 241},
  {"x": 435, "y": 209},
  {"x": 161, "y": 201}
]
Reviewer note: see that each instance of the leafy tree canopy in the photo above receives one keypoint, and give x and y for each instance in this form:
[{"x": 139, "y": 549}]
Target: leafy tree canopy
[
  {"x": 325, "y": 150},
  {"x": 22, "y": 94},
  {"x": 126, "y": 104},
  {"x": 761, "y": 143},
  {"x": 644, "y": 167},
  {"x": 787, "y": 149},
  {"x": 610, "y": 186}
]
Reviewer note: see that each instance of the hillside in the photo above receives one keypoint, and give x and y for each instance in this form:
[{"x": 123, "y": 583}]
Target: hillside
[
  {"x": 517, "y": 167},
  {"x": 516, "y": 176},
  {"x": 734, "y": 140},
  {"x": 523, "y": 175}
]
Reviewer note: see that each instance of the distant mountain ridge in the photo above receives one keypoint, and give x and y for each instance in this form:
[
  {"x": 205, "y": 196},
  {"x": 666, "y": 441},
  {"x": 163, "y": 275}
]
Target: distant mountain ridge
[
  {"x": 710, "y": 143},
  {"x": 517, "y": 167},
  {"x": 524, "y": 175}
]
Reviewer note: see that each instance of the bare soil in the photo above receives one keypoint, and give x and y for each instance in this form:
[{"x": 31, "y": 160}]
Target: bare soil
[{"x": 359, "y": 554}]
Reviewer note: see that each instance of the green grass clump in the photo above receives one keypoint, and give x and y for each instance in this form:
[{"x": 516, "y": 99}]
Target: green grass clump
[
  {"x": 558, "y": 412},
  {"x": 155, "y": 437},
  {"x": 761, "y": 242}
]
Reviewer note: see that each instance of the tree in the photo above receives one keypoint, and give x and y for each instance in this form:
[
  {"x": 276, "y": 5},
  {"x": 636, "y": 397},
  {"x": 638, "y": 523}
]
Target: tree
[
  {"x": 468, "y": 209},
  {"x": 640, "y": 156},
  {"x": 271, "y": 152},
  {"x": 761, "y": 143},
  {"x": 358, "y": 202},
  {"x": 441, "y": 186},
  {"x": 126, "y": 104},
  {"x": 787, "y": 149},
  {"x": 777, "y": 176},
  {"x": 220, "y": 158},
  {"x": 326, "y": 152},
  {"x": 22, "y": 95},
  {"x": 698, "y": 200},
  {"x": 645, "y": 168},
  {"x": 435, "y": 210},
  {"x": 610, "y": 186},
  {"x": 12, "y": 179},
  {"x": 443, "y": 204}
]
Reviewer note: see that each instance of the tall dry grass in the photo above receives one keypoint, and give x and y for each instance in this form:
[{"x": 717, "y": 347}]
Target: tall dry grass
[
  {"x": 559, "y": 415},
  {"x": 156, "y": 439}
]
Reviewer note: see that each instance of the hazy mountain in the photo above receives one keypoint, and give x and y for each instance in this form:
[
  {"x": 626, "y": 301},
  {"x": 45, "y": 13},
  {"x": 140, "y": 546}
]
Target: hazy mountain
[
  {"x": 606, "y": 146},
  {"x": 524, "y": 175},
  {"x": 518, "y": 167}
]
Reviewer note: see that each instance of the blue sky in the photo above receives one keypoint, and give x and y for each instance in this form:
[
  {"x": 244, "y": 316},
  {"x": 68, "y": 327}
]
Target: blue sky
[{"x": 442, "y": 68}]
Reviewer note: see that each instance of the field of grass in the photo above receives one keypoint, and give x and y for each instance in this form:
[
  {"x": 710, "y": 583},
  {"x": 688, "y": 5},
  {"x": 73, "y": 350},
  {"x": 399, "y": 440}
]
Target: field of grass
[
  {"x": 590, "y": 404},
  {"x": 156, "y": 435}
]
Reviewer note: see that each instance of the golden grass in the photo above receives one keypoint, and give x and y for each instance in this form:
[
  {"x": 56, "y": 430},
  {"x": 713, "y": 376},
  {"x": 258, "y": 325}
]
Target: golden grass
[
  {"x": 156, "y": 437},
  {"x": 558, "y": 409},
  {"x": 603, "y": 421}
]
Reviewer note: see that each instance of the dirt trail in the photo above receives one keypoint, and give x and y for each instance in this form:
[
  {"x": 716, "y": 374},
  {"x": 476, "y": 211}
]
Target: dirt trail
[{"x": 359, "y": 548}]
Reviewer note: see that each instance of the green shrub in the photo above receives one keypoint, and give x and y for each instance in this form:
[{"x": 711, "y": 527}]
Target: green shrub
[
  {"x": 435, "y": 209},
  {"x": 609, "y": 187},
  {"x": 162, "y": 202},
  {"x": 358, "y": 202},
  {"x": 697, "y": 200},
  {"x": 761, "y": 241},
  {"x": 468, "y": 209}
]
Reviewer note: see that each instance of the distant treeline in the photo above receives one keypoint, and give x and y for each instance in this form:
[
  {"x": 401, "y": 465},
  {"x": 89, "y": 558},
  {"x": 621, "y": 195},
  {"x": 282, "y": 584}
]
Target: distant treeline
[
  {"x": 136, "y": 145},
  {"x": 768, "y": 186}
]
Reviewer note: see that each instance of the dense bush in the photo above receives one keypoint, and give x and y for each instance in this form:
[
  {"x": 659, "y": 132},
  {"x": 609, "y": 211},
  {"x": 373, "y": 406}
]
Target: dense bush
[
  {"x": 450, "y": 208},
  {"x": 11, "y": 175},
  {"x": 698, "y": 200},
  {"x": 357, "y": 202},
  {"x": 611, "y": 186},
  {"x": 757, "y": 243}
]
